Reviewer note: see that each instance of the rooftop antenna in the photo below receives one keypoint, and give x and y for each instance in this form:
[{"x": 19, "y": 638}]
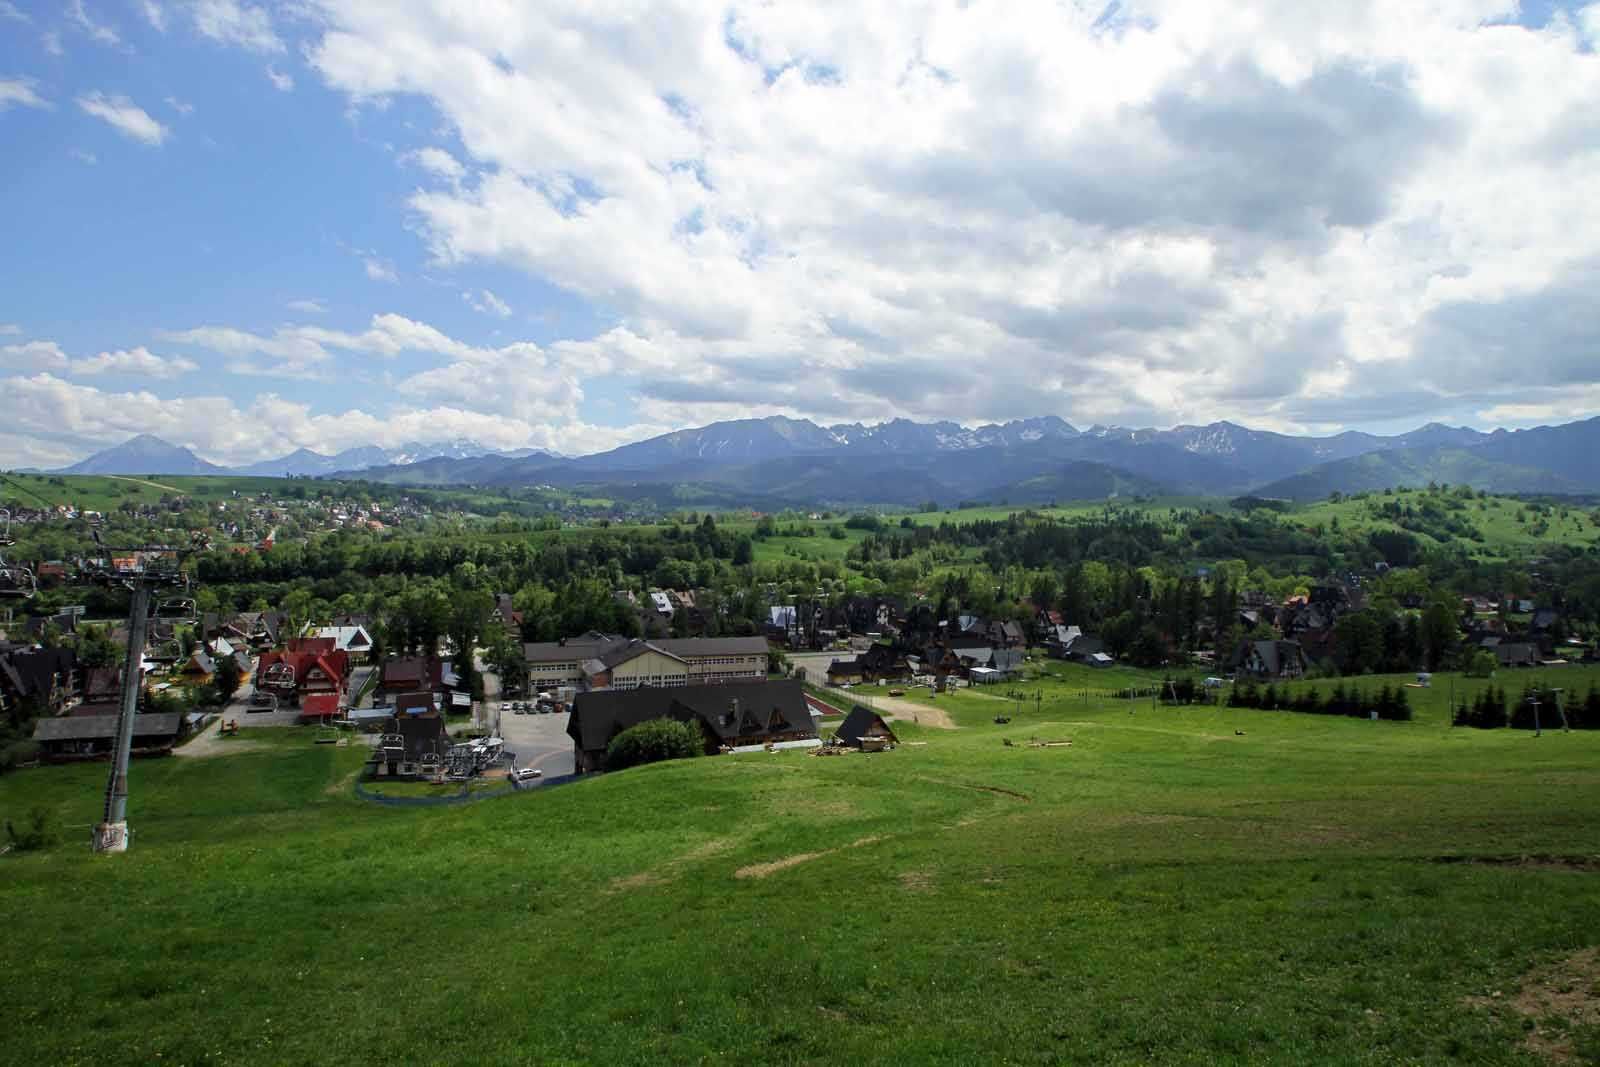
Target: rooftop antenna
[{"x": 148, "y": 567}]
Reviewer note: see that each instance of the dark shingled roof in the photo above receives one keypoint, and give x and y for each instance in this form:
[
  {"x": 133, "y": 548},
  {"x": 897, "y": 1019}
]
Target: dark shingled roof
[
  {"x": 858, "y": 722},
  {"x": 89, "y": 727},
  {"x": 764, "y": 708}
]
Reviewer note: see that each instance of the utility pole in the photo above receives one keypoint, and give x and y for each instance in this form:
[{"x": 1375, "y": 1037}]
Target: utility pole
[{"x": 1533, "y": 699}]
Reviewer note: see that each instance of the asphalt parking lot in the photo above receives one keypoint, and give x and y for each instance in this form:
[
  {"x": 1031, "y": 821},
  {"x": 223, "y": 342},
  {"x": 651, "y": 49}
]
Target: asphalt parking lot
[{"x": 538, "y": 740}]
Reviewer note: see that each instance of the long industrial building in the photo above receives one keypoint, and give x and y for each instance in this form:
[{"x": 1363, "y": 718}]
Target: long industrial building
[{"x": 608, "y": 661}]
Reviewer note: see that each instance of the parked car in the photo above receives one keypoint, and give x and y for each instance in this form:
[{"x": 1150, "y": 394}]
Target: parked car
[{"x": 525, "y": 773}]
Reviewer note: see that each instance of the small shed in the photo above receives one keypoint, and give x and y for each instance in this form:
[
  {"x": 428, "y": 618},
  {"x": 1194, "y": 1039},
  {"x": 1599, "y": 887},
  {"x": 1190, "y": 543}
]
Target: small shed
[{"x": 864, "y": 728}]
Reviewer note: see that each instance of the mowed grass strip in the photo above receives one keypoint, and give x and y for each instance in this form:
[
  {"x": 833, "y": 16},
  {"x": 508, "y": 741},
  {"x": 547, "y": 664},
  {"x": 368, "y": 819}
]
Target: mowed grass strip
[{"x": 1164, "y": 890}]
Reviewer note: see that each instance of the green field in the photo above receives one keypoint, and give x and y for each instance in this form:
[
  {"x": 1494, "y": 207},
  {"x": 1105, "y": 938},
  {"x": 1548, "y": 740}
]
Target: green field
[
  {"x": 105, "y": 492},
  {"x": 1179, "y": 886}
]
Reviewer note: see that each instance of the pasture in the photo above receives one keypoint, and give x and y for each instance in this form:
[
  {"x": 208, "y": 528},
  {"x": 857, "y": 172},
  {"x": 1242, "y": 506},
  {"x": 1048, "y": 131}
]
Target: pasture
[{"x": 1191, "y": 885}]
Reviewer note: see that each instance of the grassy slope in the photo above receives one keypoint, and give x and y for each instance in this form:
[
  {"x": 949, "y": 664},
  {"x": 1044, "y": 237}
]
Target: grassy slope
[
  {"x": 1162, "y": 890},
  {"x": 1496, "y": 520}
]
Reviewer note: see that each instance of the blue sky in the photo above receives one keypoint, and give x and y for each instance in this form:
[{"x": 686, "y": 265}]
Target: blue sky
[{"x": 254, "y": 227}]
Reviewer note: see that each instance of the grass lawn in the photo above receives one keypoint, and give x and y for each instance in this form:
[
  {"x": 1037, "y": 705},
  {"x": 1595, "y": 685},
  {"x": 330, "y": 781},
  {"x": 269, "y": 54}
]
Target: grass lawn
[{"x": 1167, "y": 889}]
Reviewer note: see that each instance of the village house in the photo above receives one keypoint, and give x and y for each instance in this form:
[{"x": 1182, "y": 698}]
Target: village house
[
  {"x": 409, "y": 674},
  {"x": 41, "y": 678},
  {"x": 199, "y": 668},
  {"x": 307, "y": 666},
  {"x": 1267, "y": 660},
  {"x": 730, "y": 716},
  {"x": 875, "y": 663},
  {"x": 354, "y": 640}
]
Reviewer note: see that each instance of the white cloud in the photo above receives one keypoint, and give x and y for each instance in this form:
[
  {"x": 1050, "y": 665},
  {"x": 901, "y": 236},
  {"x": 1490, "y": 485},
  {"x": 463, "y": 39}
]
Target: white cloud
[
  {"x": 125, "y": 116},
  {"x": 51, "y": 43},
  {"x": 308, "y": 307},
  {"x": 8, "y": 10},
  {"x": 154, "y": 14},
  {"x": 487, "y": 303},
  {"x": 33, "y": 355},
  {"x": 140, "y": 362},
  {"x": 97, "y": 31},
  {"x": 180, "y": 106},
  {"x": 49, "y": 356},
  {"x": 1169, "y": 212},
  {"x": 84, "y": 157},
  {"x": 379, "y": 269},
  {"x": 20, "y": 91},
  {"x": 235, "y": 23},
  {"x": 280, "y": 81},
  {"x": 64, "y": 420},
  {"x": 306, "y": 350},
  {"x": 10, "y": 329},
  {"x": 438, "y": 162}
]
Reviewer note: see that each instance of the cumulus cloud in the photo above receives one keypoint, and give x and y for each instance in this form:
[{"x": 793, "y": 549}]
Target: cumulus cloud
[
  {"x": 1159, "y": 212},
  {"x": 125, "y": 117},
  {"x": 304, "y": 350},
  {"x": 180, "y": 106},
  {"x": 308, "y": 307},
  {"x": 138, "y": 362},
  {"x": 20, "y": 92},
  {"x": 49, "y": 356},
  {"x": 33, "y": 355},
  {"x": 280, "y": 81},
  {"x": 438, "y": 162},
  {"x": 154, "y": 14},
  {"x": 59, "y": 420},
  {"x": 234, "y": 23},
  {"x": 8, "y": 10}
]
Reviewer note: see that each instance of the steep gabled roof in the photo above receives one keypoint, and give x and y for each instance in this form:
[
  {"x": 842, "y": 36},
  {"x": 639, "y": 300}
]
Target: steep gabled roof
[
  {"x": 726, "y": 711},
  {"x": 860, "y": 720}
]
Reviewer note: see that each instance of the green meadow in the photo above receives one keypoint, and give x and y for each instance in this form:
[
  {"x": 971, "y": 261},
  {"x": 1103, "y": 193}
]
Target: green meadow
[{"x": 1193, "y": 885}]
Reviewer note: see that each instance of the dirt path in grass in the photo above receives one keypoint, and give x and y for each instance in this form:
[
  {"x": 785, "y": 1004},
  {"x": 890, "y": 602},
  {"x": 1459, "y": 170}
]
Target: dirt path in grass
[
  {"x": 141, "y": 481},
  {"x": 895, "y": 708}
]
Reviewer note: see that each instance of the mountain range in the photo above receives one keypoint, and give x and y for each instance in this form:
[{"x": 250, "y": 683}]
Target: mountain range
[
  {"x": 148, "y": 454},
  {"x": 780, "y": 460}
]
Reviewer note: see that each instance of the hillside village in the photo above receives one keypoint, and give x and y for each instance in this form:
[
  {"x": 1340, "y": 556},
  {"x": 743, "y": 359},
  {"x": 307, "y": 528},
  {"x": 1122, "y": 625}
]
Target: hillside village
[{"x": 396, "y": 674}]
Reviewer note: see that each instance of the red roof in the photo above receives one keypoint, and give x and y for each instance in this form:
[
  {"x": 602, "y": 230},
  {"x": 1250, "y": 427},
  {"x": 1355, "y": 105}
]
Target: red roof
[
  {"x": 336, "y": 665},
  {"x": 319, "y": 705}
]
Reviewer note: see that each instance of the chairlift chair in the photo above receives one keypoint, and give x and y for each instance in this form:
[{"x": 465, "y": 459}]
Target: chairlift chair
[
  {"x": 278, "y": 675},
  {"x": 177, "y": 609},
  {"x": 16, "y": 581}
]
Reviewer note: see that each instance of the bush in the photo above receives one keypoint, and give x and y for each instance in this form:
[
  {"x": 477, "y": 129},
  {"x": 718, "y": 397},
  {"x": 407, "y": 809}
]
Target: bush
[
  {"x": 1482, "y": 665},
  {"x": 17, "y": 753},
  {"x": 39, "y": 832},
  {"x": 652, "y": 742}
]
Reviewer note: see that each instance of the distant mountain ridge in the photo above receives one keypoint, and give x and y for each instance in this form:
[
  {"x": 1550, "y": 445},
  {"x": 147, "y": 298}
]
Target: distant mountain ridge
[{"x": 795, "y": 461}]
